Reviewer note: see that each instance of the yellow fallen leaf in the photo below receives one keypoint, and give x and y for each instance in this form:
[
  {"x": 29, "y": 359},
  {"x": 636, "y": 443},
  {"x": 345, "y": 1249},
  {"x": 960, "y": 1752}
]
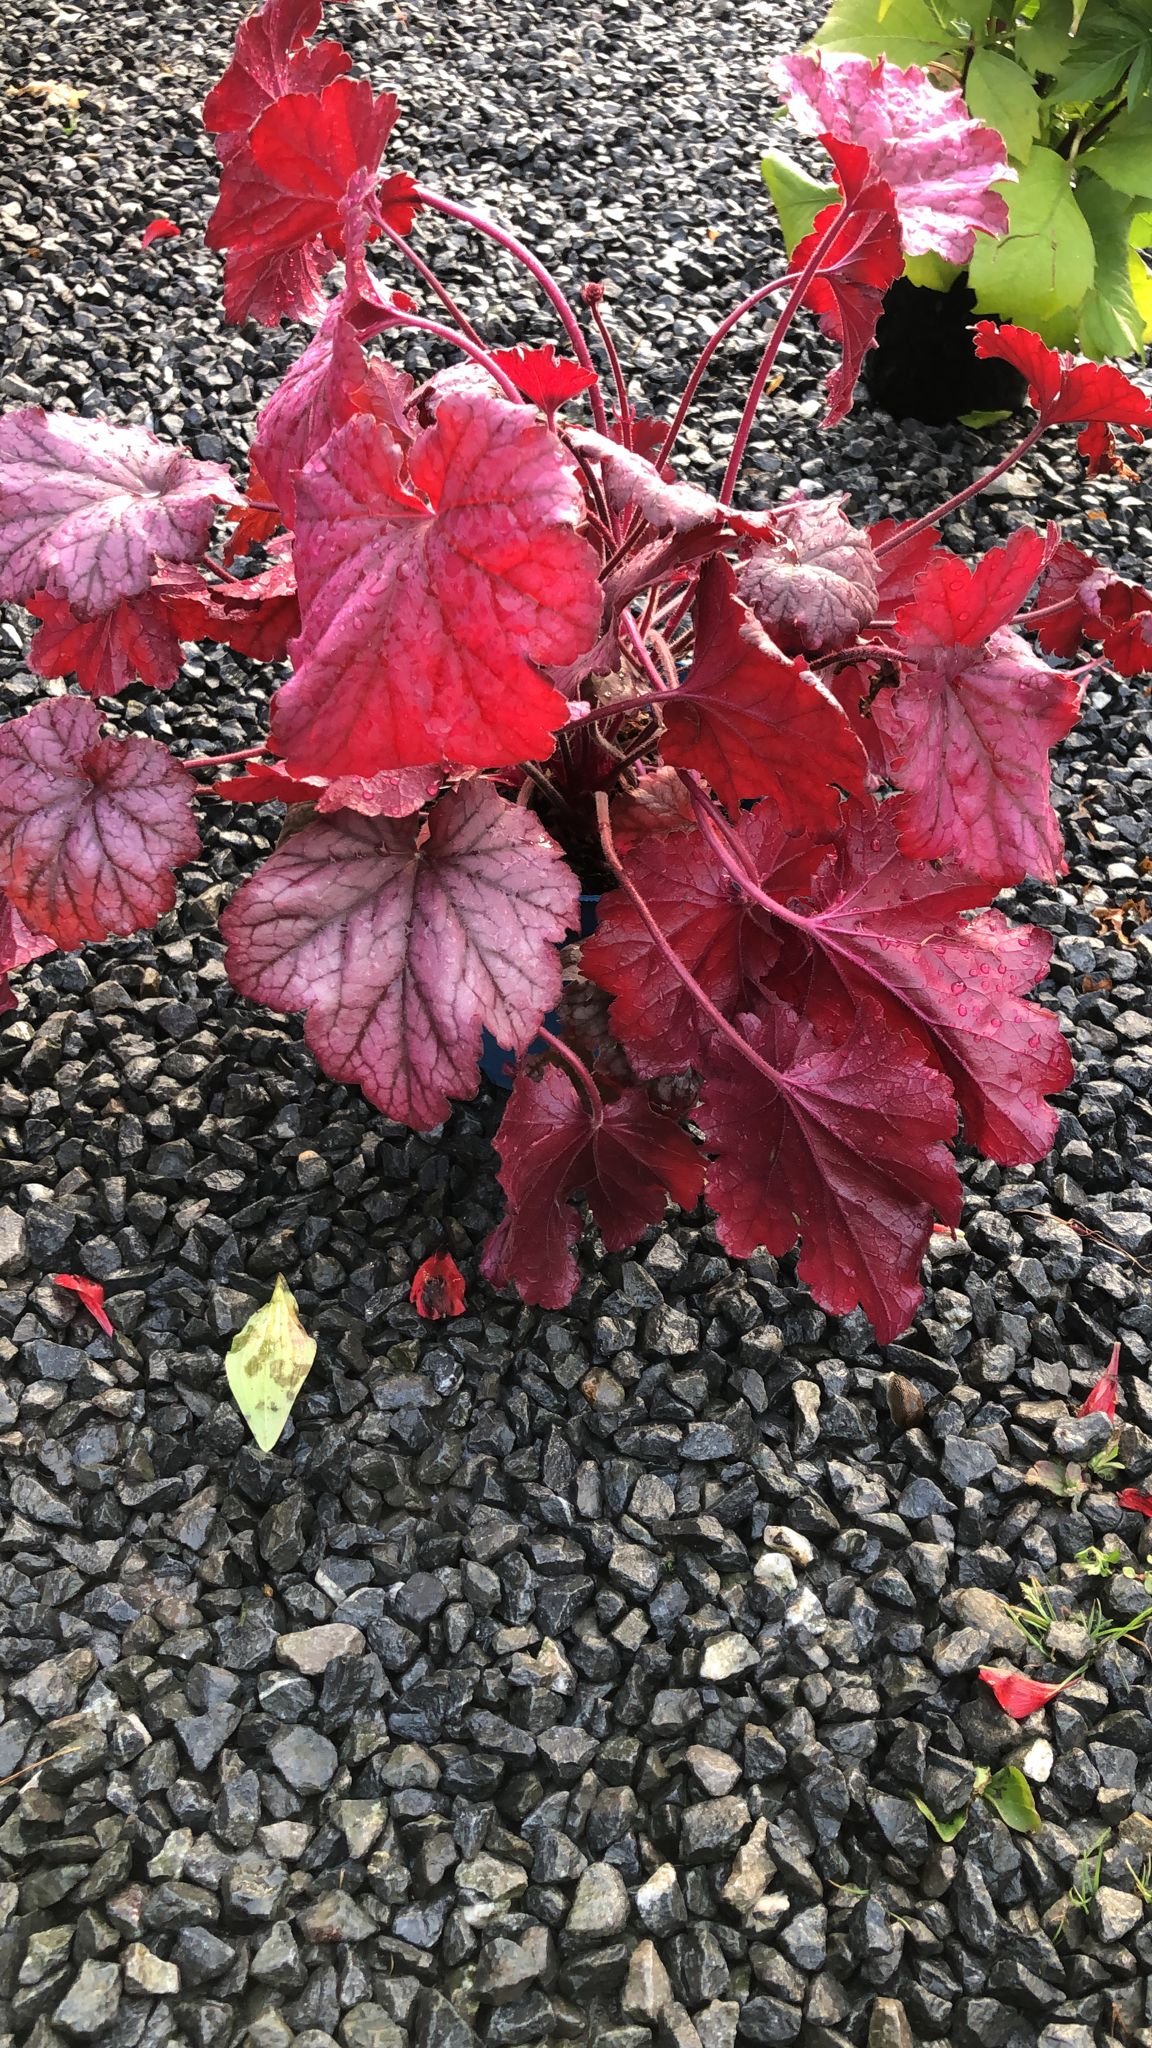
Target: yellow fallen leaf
[
  {"x": 268, "y": 1363},
  {"x": 52, "y": 93}
]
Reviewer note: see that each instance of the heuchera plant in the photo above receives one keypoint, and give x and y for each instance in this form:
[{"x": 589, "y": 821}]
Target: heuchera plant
[{"x": 792, "y": 757}]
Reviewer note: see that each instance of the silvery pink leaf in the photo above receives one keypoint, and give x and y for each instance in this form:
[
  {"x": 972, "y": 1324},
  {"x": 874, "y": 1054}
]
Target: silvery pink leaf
[
  {"x": 940, "y": 163},
  {"x": 813, "y": 584},
  {"x": 402, "y": 940},
  {"x": 91, "y": 829},
  {"x": 631, "y": 480},
  {"x": 87, "y": 508},
  {"x": 331, "y": 381}
]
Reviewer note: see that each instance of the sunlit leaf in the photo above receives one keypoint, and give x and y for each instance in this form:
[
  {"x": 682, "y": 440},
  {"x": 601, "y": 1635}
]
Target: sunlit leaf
[
  {"x": 1010, "y": 1795},
  {"x": 268, "y": 1363},
  {"x": 947, "y": 1825}
]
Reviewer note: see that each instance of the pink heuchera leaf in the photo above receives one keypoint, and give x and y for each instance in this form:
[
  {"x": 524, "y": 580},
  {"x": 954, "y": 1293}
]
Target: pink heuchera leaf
[
  {"x": 158, "y": 231},
  {"x": 627, "y": 1160},
  {"x": 91, "y": 829},
  {"x": 632, "y": 482},
  {"x": 812, "y": 584},
  {"x": 91, "y": 1294},
  {"x": 1102, "y": 1399},
  {"x": 393, "y": 793},
  {"x": 845, "y": 1145},
  {"x": 105, "y": 654},
  {"x": 268, "y": 60},
  {"x": 423, "y": 615},
  {"x": 87, "y": 508},
  {"x": 1020, "y": 1696},
  {"x": 18, "y": 946},
  {"x": 1066, "y": 389},
  {"x": 401, "y": 940},
  {"x": 968, "y": 731},
  {"x": 279, "y": 211},
  {"x": 755, "y": 724},
  {"x": 1135, "y": 1500},
  {"x": 437, "y": 1288},
  {"x": 856, "y": 270},
  {"x": 940, "y": 164},
  {"x": 542, "y": 377},
  {"x": 331, "y": 382}
]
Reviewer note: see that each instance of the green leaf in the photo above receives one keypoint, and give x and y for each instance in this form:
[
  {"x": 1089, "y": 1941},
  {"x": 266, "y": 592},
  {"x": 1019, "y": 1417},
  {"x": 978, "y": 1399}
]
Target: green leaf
[
  {"x": 999, "y": 93},
  {"x": 1123, "y": 157},
  {"x": 268, "y": 1363},
  {"x": 1040, "y": 272},
  {"x": 909, "y": 33},
  {"x": 1010, "y": 1795},
  {"x": 976, "y": 420},
  {"x": 1107, "y": 44},
  {"x": 796, "y": 197},
  {"x": 947, "y": 1826},
  {"x": 931, "y": 271},
  {"x": 1111, "y": 323},
  {"x": 1044, "y": 42}
]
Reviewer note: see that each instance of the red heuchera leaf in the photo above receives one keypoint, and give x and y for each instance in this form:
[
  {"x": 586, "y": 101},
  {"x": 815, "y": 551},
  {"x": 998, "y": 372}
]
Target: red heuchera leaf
[
  {"x": 1064, "y": 388},
  {"x": 719, "y": 935},
  {"x": 331, "y": 382},
  {"x": 813, "y": 584},
  {"x": 91, "y": 1294},
  {"x": 91, "y": 829},
  {"x": 967, "y": 733},
  {"x": 267, "y": 782},
  {"x": 898, "y": 931},
  {"x": 423, "y": 615},
  {"x": 105, "y": 654},
  {"x": 940, "y": 164},
  {"x": 87, "y": 508},
  {"x": 855, "y": 271},
  {"x": 1097, "y": 444},
  {"x": 437, "y": 1288},
  {"x": 1073, "y": 581},
  {"x": 544, "y": 378},
  {"x": 268, "y": 60},
  {"x": 158, "y": 231},
  {"x": 753, "y": 723},
  {"x": 898, "y": 568},
  {"x": 632, "y": 482},
  {"x": 257, "y": 617},
  {"x": 393, "y": 793},
  {"x": 845, "y": 1144},
  {"x": 1126, "y": 627},
  {"x": 279, "y": 210},
  {"x": 18, "y": 946},
  {"x": 1020, "y": 1696},
  {"x": 1102, "y": 1399},
  {"x": 401, "y": 940},
  {"x": 252, "y": 524},
  {"x": 1136, "y": 1501},
  {"x": 396, "y": 202},
  {"x": 628, "y": 1161}
]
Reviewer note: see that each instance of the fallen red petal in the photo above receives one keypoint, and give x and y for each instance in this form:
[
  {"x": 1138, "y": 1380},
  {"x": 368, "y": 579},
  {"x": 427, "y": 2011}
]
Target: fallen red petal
[
  {"x": 91, "y": 1294},
  {"x": 1102, "y": 1399},
  {"x": 1139, "y": 1503},
  {"x": 1020, "y": 1696},
  {"x": 437, "y": 1289},
  {"x": 158, "y": 231}
]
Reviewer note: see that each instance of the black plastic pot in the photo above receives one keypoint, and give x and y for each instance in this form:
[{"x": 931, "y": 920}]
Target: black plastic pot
[{"x": 924, "y": 367}]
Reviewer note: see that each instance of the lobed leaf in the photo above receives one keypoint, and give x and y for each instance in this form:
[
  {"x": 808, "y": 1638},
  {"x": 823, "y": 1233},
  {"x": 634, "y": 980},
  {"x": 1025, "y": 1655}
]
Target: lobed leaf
[
  {"x": 401, "y": 941},
  {"x": 91, "y": 829},
  {"x": 812, "y": 584},
  {"x": 329, "y": 384},
  {"x": 133, "y": 641}
]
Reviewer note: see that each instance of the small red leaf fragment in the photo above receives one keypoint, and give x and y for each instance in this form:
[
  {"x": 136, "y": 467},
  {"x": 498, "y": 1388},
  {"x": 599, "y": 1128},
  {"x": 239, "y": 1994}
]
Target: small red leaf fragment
[
  {"x": 437, "y": 1288},
  {"x": 542, "y": 377},
  {"x": 1020, "y": 1696},
  {"x": 91, "y": 1294},
  {"x": 158, "y": 231},
  {"x": 1138, "y": 1502},
  {"x": 856, "y": 270},
  {"x": 1102, "y": 1399},
  {"x": 135, "y": 639},
  {"x": 398, "y": 205}
]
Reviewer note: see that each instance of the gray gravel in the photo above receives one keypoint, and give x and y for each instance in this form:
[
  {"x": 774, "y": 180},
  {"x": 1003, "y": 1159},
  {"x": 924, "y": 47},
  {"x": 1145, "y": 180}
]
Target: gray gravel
[{"x": 560, "y": 1678}]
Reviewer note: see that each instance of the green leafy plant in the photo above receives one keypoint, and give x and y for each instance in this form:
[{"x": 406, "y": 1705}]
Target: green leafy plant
[
  {"x": 1085, "y": 1884},
  {"x": 1099, "y": 1560},
  {"x": 1068, "y": 85},
  {"x": 1006, "y": 1791},
  {"x": 1036, "y": 1615}
]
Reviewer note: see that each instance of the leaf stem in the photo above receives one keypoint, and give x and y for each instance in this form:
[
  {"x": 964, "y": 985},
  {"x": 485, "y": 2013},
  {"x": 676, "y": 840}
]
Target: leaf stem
[
  {"x": 582, "y": 1073},
  {"x": 641, "y": 654},
  {"x": 788, "y": 314},
  {"x": 425, "y": 270},
  {"x": 543, "y": 277},
  {"x": 668, "y": 952},
  {"x": 224, "y": 760},
  {"x": 422, "y": 325},
  {"x": 593, "y": 297},
  {"x": 778, "y": 284},
  {"x": 972, "y": 490}
]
